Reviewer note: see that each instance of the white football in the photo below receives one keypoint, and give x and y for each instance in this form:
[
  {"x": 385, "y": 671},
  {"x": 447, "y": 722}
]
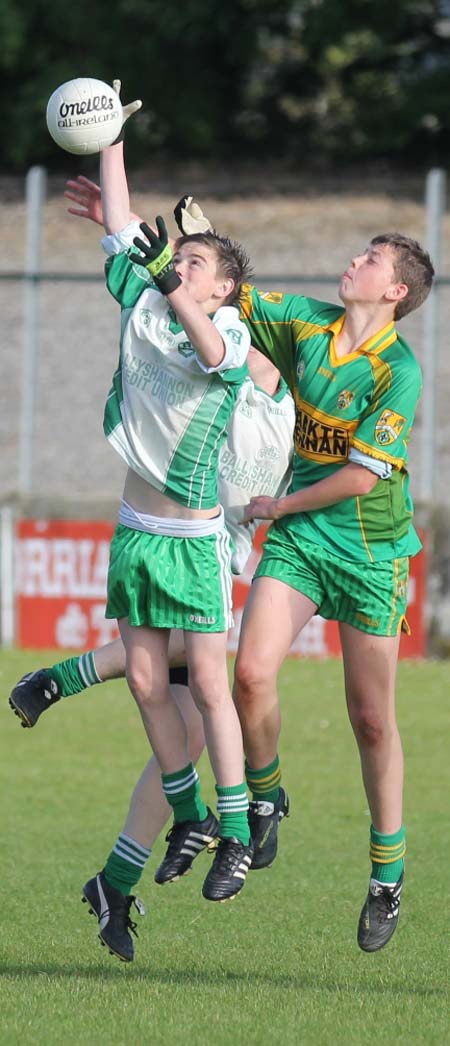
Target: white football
[{"x": 84, "y": 116}]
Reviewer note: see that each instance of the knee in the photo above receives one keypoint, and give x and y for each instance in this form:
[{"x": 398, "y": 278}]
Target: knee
[
  {"x": 368, "y": 727},
  {"x": 141, "y": 686},
  {"x": 250, "y": 676},
  {"x": 207, "y": 689}
]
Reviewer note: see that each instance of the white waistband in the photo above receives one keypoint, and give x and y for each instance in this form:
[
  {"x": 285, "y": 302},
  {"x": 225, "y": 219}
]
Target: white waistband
[{"x": 175, "y": 528}]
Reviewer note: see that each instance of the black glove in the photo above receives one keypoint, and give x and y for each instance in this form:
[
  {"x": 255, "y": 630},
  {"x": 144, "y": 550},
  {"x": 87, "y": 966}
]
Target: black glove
[
  {"x": 190, "y": 218},
  {"x": 158, "y": 258}
]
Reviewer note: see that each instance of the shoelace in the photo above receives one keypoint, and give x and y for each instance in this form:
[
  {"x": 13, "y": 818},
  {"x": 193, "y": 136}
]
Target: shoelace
[
  {"x": 387, "y": 898},
  {"x": 227, "y": 855},
  {"x": 180, "y": 831},
  {"x": 174, "y": 833},
  {"x": 124, "y": 912}
]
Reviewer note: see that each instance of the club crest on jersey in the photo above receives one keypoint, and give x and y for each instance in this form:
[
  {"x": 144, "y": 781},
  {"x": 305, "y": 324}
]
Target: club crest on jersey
[
  {"x": 166, "y": 339},
  {"x": 344, "y": 399},
  {"x": 145, "y": 316},
  {"x": 388, "y": 427},
  {"x": 275, "y": 297},
  {"x": 268, "y": 454},
  {"x": 234, "y": 335}
]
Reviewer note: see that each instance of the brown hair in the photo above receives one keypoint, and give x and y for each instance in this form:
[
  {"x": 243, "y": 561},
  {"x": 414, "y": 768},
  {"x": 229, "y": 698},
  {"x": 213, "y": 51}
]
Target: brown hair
[
  {"x": 232, "y": 260},
  {"x": 413, "y": 266}
]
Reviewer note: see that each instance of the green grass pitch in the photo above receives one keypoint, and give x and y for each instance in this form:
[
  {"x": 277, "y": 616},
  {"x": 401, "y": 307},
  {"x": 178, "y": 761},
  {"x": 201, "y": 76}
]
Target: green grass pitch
[{"x": 280, "y": 964}]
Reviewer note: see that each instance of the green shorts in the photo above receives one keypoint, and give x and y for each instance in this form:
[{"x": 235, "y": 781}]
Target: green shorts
[
  {"x": 369, "y": 596},
  {"x": 170, "y": 582}
]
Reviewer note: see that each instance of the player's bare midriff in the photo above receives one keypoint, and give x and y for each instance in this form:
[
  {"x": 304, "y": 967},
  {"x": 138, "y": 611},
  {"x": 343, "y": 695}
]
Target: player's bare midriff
[{"x": 145, "y": 498}]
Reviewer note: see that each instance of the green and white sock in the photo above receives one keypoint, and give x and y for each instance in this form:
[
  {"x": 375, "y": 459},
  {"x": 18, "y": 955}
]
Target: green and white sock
[
  {"x": 232, "y": 807},
  {"x": 264, "y": 783},
  {"x": 75, "y": 674},
  {"x": 387, "y": 853},
  {"x": 125, "y": 864},
  {"x": 182, "y": 791}
]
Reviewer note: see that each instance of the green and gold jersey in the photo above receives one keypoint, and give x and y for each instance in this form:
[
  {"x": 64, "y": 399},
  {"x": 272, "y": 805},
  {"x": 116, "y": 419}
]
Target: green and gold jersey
[{"x": 364, "y": 402}]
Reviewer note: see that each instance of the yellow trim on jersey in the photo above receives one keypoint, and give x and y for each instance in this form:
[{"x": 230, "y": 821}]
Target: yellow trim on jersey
[
  {"x": 361, "y": 527},
  {"x": 321, "y": 437},
  {"x": 367, "y": 448},
  {"x": 382, "y": 378},
  {"x": 302, "y": 329},
  {"x": 382, "y": 339}
]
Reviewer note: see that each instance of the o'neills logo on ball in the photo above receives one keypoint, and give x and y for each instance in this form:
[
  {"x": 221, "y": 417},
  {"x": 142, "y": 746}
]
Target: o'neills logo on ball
[
  {"x": 94, "y": 104},
  {"x": 76, "y": 114}
]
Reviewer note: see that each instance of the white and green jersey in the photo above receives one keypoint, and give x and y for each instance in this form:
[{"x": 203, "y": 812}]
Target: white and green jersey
[
  {"x": 167, "y": 414},
  {"x": 255, "y": 459}
]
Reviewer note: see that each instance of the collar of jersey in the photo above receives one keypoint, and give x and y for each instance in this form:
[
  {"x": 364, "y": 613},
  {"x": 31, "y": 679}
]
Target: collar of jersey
[{"x": 376, "y": 344}]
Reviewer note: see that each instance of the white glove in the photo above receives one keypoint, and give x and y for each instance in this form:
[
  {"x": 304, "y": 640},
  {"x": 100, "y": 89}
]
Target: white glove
[
  {"x": 190, "y": 218},
  {"x": 127, "y": 110}
]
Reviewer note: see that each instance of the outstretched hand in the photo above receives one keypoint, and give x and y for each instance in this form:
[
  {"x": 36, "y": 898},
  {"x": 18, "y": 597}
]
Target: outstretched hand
[
  {"x": 190, "y": 218},
  {"x": 157, "y": 256},
  {"x": 127, "y": 110},
  {"x": 88, "y": 197}
]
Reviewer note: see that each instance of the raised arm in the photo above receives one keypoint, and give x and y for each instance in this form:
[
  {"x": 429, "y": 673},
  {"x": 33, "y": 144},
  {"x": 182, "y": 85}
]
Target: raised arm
[
  {"x": 113, "y": 179},
  {"x": 157, "y": 257},
  {"x": 114, "y": 189}
]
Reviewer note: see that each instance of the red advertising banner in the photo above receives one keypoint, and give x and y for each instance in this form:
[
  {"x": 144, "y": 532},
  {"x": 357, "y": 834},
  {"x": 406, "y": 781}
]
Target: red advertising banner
[{"x": 61, "y": 570}]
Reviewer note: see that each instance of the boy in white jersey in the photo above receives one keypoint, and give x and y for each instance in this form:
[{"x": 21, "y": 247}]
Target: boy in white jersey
[
  {"x": 257, "y": 453},
  {"x": 173, "y": 393}
]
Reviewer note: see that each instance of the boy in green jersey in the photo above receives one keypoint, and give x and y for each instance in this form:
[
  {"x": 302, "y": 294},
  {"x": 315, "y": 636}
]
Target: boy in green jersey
[
  {"x": 342, "y": 537},
  {"x": 182, "y": 359}
]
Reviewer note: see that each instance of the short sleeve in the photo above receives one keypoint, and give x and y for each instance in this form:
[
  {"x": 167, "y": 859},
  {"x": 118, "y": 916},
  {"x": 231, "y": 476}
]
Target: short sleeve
[
  {"x": 384, "y": 430},
  {"x": 117, "y": 242},
  {"x": 236, "y": 339}
]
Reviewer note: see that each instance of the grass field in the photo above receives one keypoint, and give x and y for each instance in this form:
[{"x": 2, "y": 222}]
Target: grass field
[{"x": 281, "y": 964}]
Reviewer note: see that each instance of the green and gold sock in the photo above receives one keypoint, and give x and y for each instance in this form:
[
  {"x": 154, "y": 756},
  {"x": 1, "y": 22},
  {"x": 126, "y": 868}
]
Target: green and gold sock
[
  {"x": 182, "y": 791},
  {"x": 387, "y": 853},
  {"x": 264, "y": 783}
]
